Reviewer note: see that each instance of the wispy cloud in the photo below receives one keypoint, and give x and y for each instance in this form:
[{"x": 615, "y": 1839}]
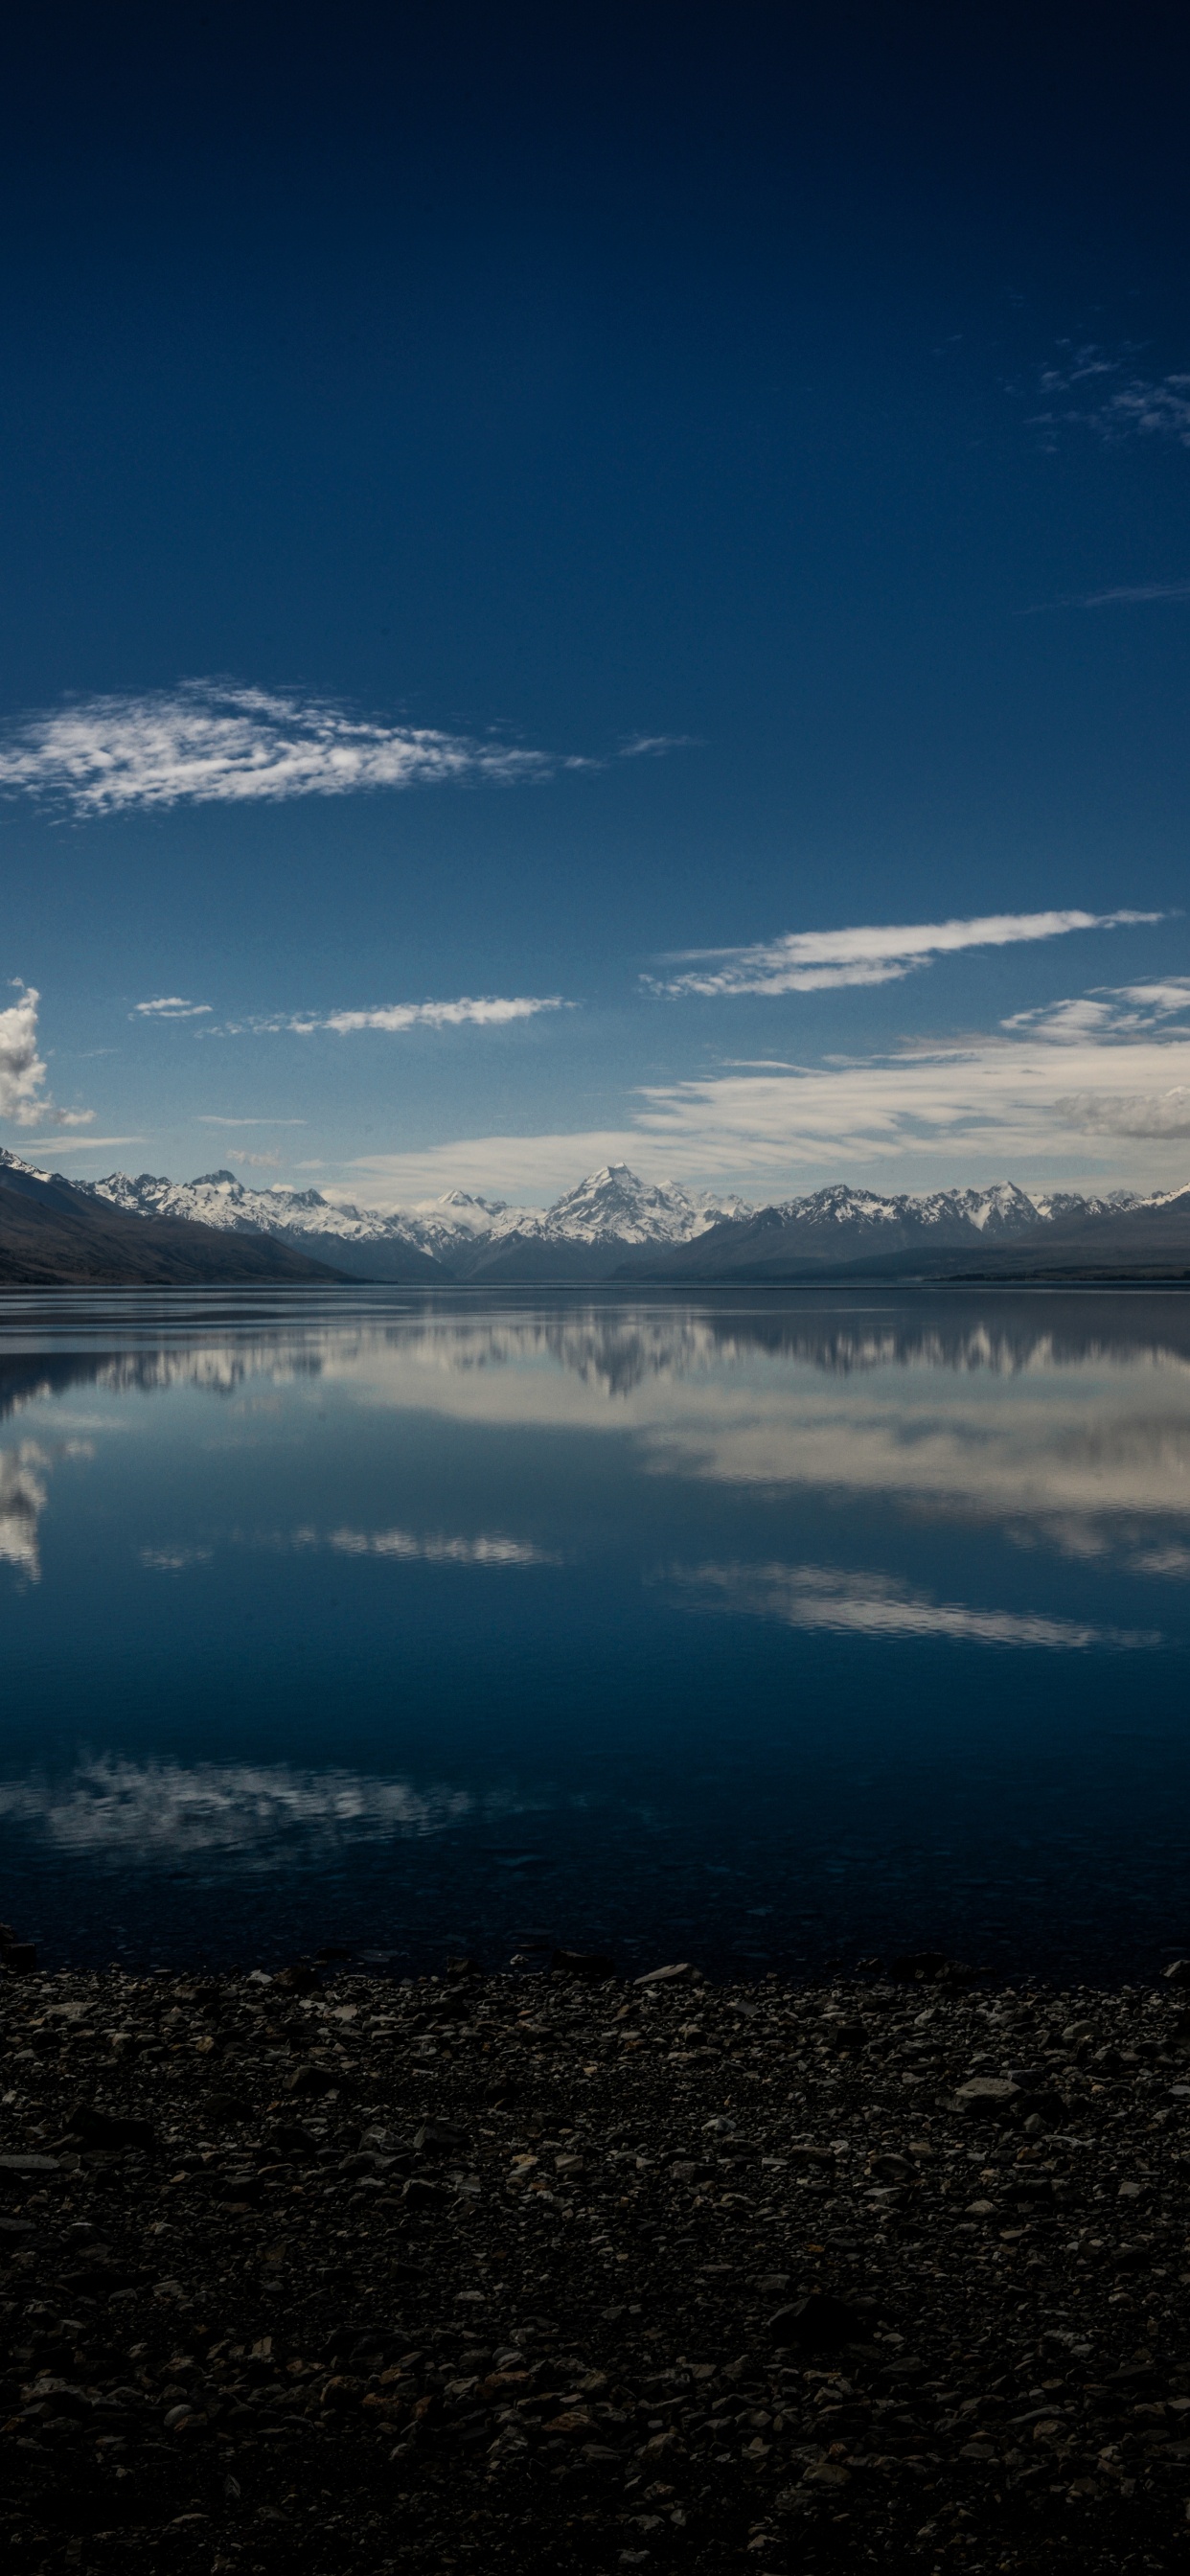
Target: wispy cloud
[
  {"x": 986, "y": 1104},
  {"x": 1120, "y": 1011},
  {"x": 486, "y": 1011},
  {"x": 214, "y": 741},
  {"x": 80, "y": 1144},
  {"x": 23, "y": 1094},
  {"x": 1136, "y": 407},
  {"x": 212, "y": 1118},
  {"x": 1146, "y": 409},
  {"x": 169, "y": 1006},
  {"x": 813, "y": 961},
  {"x": 1136, "y": 594}
]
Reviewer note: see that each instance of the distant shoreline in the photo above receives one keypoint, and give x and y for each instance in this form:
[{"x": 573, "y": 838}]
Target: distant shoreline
[{"x": 621, "y": 1286}]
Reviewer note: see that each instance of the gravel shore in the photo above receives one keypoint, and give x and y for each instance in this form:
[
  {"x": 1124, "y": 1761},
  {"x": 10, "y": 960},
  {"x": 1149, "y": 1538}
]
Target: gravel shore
[{"x": 521, "y": 2273}]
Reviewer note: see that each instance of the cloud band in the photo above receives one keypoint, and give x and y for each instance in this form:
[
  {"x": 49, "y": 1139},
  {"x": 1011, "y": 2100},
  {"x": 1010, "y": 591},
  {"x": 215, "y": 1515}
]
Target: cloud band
[{"x": 813, "y": 961}]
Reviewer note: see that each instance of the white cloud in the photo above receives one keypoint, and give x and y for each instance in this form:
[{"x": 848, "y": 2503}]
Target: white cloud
[
  {"x": 81, "y": 1144},
  {"x": 213, "y": 1118},
  {"x": 879, "y": 1606},
  {"x": 217, "y": 741},
  {"x": 170, "y": 1006},
  {"x": 813, "y": 961},
  {"x": 23, "y": 1095},
  {"x": 1129, "y": 1113},
  {"x": 22, "y": 1071},
  {"x": 1172, "y": 994},
  {"x": 985, "y": 1105},
  {"x": 1109, "y": 1011},
  {"x": 1146, "y": 409},
  {"x": 486, "y": 1011},
  {"x": 1140, "y": 407}
]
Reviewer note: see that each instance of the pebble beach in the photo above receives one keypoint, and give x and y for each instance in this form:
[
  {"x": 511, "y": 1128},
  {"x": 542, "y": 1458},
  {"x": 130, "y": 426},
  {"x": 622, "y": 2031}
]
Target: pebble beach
[{"x": 523, "y": 2272}]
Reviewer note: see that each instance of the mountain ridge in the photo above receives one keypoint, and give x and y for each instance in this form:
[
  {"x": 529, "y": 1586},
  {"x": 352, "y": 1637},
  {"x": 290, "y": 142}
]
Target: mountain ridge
[
  {"x": 57, "y": 1233},
  {"x": 460, "y": 1236},
  {"x": 612, "y": 1225}
]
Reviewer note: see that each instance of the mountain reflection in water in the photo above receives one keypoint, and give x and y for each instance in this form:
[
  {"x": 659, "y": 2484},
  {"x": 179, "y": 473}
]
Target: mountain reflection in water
[{"x": 799, "y": 1622}]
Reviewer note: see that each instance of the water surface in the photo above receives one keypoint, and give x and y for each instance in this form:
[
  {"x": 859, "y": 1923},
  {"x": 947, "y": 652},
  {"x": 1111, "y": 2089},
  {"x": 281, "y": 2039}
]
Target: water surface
[{"x": 762, "y": 1628}]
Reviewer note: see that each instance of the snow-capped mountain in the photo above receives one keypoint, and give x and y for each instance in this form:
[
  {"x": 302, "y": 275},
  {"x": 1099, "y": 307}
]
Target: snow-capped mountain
[
  {"x": 952, "y": 1216},
  {"x": 57, "y": 1233},
  {"x": 840, "y": 1229},
  {"x": 460, "y": 1234},
  {"x": 615, "y": 1224},
  {"x": 614, "y": 1206}
]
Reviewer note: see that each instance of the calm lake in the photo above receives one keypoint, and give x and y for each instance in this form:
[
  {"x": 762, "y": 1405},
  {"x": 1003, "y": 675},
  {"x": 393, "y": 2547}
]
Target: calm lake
[{"x": 758, "y": 1628}]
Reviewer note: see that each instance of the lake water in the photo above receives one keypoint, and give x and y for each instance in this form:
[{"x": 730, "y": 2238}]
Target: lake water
[{"x": 763, "y": 1629}]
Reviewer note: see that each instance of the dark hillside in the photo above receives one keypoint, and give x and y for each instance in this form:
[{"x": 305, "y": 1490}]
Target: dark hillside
[{"x": 52, "y": 1236}]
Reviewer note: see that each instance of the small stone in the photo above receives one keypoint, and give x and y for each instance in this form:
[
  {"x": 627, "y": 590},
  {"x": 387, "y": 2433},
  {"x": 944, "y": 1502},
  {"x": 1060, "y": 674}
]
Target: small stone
[
  {"x": 300, "y": 1979},
  {"x": 307, "y": 2080},
  {"x": 227, "y": 2108},
  {"x": 820, "y": 2322},
  {"x": 986, "y": 2092},
  {"x": 98, "y": 2128},
  {"x": 590, "y": 1965},
  {"x": 917, "y": 1967}
]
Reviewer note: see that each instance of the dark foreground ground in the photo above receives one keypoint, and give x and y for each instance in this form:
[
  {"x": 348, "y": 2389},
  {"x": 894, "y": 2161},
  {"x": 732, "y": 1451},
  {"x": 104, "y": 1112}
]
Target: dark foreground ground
[{"x": 508, "y": 2273}]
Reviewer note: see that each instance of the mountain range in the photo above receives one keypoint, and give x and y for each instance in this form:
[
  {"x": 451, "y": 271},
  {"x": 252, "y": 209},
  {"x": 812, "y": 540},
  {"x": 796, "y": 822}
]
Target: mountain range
[
  {"x": 586, "y": 1235},
  {"x": 611, "y": 1226}
]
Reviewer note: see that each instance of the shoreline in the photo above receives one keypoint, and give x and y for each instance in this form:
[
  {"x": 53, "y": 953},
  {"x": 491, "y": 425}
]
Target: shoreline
[{"x": 524, "y": 2273}]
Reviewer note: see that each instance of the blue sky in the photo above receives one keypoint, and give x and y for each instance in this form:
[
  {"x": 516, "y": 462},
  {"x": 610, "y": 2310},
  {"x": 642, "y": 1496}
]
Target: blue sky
[{"x": 552, "y": 558}]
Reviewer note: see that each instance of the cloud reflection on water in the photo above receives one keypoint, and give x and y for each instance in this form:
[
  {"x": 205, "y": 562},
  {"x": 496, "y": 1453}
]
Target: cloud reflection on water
[
  {"x": 1064, "y": 1420},
  {"x": 875, "y": 1605},
  {"x": 22, "y": 1502},
  {"x": 262, "y": 1815}
]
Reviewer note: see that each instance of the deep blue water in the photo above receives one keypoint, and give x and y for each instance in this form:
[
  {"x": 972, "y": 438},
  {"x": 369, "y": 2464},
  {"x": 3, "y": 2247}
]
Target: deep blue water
[{"x": 762, "y": 1629}]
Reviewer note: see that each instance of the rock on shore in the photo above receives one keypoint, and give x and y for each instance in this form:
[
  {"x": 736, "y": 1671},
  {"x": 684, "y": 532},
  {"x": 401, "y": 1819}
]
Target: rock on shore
[{"x": 522, "y": 2274}]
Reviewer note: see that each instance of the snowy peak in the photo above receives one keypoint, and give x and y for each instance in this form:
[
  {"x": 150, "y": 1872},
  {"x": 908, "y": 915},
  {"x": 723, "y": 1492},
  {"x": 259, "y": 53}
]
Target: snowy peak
[
  {"x": 615, "y": 1205},
  {"x": 613, "y": 1217},
  {"x": 1003, "y": 1210},
  {"x": 611, "y": 1208}
]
